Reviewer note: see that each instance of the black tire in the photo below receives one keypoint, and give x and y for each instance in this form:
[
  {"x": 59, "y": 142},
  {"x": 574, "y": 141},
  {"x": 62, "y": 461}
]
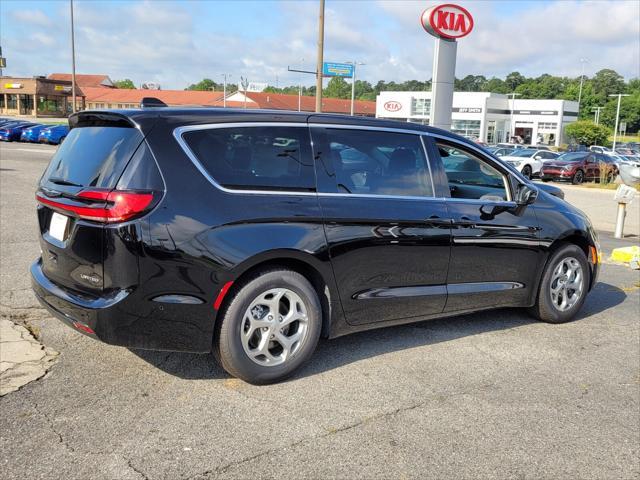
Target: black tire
[
  {"x": 61, "y": 140},
  {"x": 228, "y": 346},
  {"x": 609, "y": 177},
  {"x": 526, "y": 171},
  {"x": 544, "y": 309},
  {"x": 546, "y": 180},
  {"x": 578, "y": 177}
]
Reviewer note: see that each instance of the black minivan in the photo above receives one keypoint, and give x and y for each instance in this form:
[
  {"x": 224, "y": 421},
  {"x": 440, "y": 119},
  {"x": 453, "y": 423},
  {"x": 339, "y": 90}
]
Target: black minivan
[{"x": 254, "y": 233}]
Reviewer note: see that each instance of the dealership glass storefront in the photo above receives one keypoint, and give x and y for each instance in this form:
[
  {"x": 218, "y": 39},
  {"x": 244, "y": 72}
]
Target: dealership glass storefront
[{"x": 487, "y": 117}]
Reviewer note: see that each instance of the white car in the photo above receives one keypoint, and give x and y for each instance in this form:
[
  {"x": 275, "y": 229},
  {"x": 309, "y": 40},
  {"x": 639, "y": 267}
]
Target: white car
[
  {"x": 601, "y": 149},
  {"x": 529, "y": 160}
]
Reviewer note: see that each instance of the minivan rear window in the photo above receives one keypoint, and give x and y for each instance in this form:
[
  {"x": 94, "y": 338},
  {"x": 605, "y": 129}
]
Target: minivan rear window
[
  {"x": 93, "y": 156},
  {"x": 256, "y": 158}
]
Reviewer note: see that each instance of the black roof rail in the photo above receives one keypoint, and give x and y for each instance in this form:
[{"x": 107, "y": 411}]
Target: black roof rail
[{"x": 151, "y": 102}]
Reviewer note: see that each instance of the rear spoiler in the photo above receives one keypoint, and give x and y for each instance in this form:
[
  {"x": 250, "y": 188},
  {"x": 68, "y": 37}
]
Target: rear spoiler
[{"x": 89, "y": 118}]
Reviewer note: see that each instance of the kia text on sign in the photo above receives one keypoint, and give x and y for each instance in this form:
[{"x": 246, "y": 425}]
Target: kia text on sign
[
  {"x": 392, "y": 106},
  {"x": 447, "y": 21}
]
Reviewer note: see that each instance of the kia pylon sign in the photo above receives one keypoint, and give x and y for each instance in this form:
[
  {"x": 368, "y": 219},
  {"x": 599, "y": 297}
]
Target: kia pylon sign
[{"x": 447, "y": 21}]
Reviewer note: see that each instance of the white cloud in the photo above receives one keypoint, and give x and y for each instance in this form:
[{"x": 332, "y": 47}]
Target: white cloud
[{"x": 165, "y": 42}]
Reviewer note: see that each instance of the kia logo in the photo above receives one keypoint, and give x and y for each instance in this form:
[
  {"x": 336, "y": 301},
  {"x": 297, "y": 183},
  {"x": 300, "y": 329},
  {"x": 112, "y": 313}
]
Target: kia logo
[
  {"x": 447, "y": 21},
  {"x": 392, "y": 106}
]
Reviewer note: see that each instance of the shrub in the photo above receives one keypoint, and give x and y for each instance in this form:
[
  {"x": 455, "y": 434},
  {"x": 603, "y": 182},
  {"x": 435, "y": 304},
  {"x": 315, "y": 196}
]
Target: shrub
[{"x": 587, "y": 133}]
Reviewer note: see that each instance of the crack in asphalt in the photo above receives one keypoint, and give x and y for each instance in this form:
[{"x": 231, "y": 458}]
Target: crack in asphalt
[
  {"x": 136, "y": 469},
  {"x": 224, "y": 468},
  {"x": 52, "y": 428}
]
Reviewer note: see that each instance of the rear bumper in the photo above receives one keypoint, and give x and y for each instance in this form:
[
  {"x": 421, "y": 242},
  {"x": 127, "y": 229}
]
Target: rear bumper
[{"x": 127, "y": 318}]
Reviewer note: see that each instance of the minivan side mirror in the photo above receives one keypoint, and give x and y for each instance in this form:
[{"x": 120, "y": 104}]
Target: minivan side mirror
[{"x": 526, "y": 194}]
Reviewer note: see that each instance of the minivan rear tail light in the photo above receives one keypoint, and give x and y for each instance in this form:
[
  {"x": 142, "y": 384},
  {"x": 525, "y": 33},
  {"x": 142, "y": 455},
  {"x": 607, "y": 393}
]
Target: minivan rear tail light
[{"x": 106, "y": 206}]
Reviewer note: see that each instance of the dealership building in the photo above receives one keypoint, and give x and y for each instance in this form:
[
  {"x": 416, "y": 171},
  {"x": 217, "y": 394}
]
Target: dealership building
[{"x": 487, "y": 117}]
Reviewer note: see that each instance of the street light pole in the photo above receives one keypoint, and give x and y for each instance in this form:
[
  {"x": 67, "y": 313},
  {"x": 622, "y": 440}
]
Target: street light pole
[
  {"x": 597, "y": 114},
  {"x": 512, "y": 126},
  {"x": 320, "y": 58},
  {"x": 224, "y": 89},
  {"x": 615, "y": 132},
  {"x": 73, "y": 62},
  {"x": 353, "y": 85},
  {"x": 582, "y": 61}
]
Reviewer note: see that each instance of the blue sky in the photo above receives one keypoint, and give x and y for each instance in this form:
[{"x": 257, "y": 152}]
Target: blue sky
[{"x": 176, "y": 43}]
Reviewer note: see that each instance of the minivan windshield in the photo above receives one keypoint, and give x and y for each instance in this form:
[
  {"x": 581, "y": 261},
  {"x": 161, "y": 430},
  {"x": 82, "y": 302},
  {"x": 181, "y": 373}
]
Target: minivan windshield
[
  {"x": 527, "y": 152},
  {"x": 572, "y": 157},
  {"x": 93, "y": 156}
]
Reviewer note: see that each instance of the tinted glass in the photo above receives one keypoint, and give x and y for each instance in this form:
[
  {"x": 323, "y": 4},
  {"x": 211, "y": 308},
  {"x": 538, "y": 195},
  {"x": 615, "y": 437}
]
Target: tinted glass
[
  {"x": 469, "y": 176},
  {"x": 268, "y": 158},
  {"x": 93, "y": 156},
  {"x": 375, "y": 162},
  {"x": 573, "y": 156}
]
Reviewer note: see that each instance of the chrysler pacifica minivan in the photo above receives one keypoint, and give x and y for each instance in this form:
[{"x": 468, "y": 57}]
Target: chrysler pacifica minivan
[{"x": 254, "y": 233}]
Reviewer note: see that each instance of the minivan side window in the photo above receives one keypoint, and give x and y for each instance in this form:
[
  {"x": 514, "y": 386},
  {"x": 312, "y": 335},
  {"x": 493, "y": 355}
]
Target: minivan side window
[
  {"x": 470, "y": 176},
  {"x": 255, "y": 158},
  {"x": 374, "y": 162}
]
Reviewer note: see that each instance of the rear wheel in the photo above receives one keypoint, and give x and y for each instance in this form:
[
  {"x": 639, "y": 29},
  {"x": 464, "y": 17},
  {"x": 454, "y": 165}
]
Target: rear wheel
[
  {"x": 563, "y": 287},
  {"x": 270, "y": 327},
  {"x": 526, "y": 171},
  {"x": 578, "y": 177}
]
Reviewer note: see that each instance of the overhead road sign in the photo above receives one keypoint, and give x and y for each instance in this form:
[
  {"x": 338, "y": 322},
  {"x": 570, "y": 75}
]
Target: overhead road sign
[{"x": 330, "y": 69}]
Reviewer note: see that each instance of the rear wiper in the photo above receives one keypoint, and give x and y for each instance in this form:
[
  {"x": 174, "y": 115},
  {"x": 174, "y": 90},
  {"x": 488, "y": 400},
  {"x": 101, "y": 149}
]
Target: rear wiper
[{"x": 62, "y": 181}]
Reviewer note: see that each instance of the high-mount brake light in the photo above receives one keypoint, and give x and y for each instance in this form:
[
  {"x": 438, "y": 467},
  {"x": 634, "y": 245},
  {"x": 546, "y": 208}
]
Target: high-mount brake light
[{"x": 107, "y": 206}]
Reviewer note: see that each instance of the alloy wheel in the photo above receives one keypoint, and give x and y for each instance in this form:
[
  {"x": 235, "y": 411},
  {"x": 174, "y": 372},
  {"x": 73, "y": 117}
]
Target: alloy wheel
[
  {"x": 567, "y": 284},
  {"x": 274, "y": 327}
]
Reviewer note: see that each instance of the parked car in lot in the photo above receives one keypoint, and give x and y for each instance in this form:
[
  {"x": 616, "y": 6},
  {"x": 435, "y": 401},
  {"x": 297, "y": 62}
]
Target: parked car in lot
[
  {"x": 248, "y": 233},
  {"x": 53, "y": 135},
  {"x": 32, "y": 133},
  {"x": 500, "y": 151},
  {"x": 578, "y": 167},
  {"x": 529, "y": 160},
  {"x": 12, "y": 131},
  {"x": 600, "y": 149}
]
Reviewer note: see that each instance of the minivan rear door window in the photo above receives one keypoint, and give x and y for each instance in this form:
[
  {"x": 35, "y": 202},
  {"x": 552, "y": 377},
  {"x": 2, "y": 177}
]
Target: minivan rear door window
[{"x": 255, "y": 158}]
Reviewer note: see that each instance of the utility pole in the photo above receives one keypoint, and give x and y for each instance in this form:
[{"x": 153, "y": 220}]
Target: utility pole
[
  {"x": 615, "y": 132},
  {"x": 224, "y": 89},
  {"x": 320, "y": 58},
  {"x": 73, "y": 62},
  {"x": 597, "y": 114},
  {"x": 353, "y": 85},
  {"x": 244, "y": 82},
  {"x": 582, "y": 61},
  {"x": 512, "y": 126}
]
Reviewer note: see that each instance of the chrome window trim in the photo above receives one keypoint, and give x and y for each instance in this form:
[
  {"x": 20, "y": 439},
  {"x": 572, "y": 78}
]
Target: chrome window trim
[{"x": 180, "y": 131}]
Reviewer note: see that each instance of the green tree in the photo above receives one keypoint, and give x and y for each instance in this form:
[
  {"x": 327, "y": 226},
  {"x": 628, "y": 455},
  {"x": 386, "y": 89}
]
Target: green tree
[
  {"x": 513, "y": 80},
  {"x": 629, "y": 112},
  {"x": 125, "y": 83},
  {"x": 495, "y": 85},
  {"x": 607, "y": 82},
  {"x": 587, "y": 133},
  {"x": 337, "y": 88}
]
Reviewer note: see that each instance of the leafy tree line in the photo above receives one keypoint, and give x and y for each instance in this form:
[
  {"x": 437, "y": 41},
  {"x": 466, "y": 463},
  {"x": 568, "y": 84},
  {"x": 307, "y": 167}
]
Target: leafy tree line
[{"x": 595, "y": 91}]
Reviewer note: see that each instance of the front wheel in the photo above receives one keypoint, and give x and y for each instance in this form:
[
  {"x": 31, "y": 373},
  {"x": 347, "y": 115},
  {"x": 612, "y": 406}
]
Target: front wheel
[
  {"x": 526, "y": 171},
  {"x": 578, "y": 177},
  {"x": 563, "y": 287},
  {"x": 270, "y": 327}
]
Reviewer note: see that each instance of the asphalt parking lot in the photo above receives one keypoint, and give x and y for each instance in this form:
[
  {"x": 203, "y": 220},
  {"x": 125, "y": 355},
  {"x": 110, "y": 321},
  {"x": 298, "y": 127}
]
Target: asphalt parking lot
[{"x": 490, "y": 395}]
